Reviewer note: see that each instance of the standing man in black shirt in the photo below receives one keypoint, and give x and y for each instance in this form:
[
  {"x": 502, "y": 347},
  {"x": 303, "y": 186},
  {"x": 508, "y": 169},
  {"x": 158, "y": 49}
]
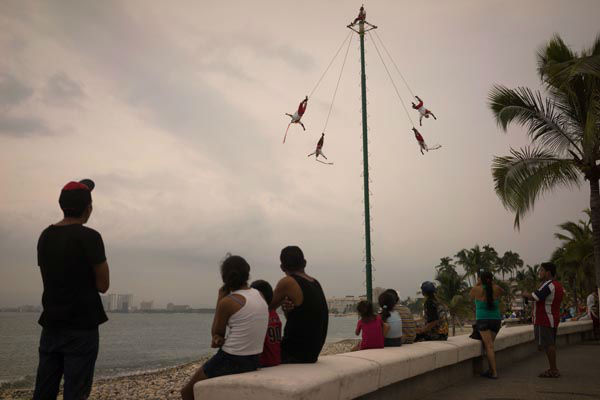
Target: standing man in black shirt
[{"x": 74, "y": 269}]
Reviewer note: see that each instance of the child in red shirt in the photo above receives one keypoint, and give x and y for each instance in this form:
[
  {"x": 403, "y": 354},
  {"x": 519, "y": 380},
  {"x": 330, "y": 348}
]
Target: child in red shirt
[
  {"x": 271, "y": 354},
  {"x": 372, "y": 327}
]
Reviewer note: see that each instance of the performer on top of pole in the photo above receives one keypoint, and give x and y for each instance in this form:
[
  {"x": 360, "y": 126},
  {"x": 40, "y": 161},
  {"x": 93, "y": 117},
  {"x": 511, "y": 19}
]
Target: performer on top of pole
[
  {"x": 422, "y": 110},
  {"x": 362, "y": 15}
]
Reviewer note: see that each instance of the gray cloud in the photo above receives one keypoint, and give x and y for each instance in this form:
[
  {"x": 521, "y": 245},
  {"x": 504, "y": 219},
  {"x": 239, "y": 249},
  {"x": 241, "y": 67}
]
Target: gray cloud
[
  {"x": 62, "y": 90},
  {"x": 13, "y": 91},
  {"x": 22, "y": 127}
]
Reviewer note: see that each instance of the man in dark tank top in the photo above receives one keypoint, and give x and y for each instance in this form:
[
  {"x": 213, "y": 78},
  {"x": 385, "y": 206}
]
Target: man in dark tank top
[{"x": 306, "y": 323}]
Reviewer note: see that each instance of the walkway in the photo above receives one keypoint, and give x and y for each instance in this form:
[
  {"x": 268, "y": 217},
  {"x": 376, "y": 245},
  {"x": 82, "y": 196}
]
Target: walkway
[{"x": 580, "y": 369}]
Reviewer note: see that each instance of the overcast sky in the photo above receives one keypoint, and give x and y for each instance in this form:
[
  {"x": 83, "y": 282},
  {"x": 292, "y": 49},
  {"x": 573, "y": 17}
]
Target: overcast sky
[{"x": 176, "y": 110}]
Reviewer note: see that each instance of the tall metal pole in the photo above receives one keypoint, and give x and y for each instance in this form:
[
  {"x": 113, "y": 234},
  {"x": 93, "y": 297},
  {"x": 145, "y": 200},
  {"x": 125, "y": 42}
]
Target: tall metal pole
[{"x": 363, "y": 87}]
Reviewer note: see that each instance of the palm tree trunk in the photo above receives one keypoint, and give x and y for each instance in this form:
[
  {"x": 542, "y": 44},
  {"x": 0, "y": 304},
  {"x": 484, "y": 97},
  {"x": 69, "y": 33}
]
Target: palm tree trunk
[
  {"x": 576, "y": 303},
  {"x": 595, "y": 211}
]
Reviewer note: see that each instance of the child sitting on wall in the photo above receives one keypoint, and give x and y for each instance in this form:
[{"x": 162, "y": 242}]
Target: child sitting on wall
[
  {"x": 271, "y": 354},
  {"x": 372, "y": 327}
]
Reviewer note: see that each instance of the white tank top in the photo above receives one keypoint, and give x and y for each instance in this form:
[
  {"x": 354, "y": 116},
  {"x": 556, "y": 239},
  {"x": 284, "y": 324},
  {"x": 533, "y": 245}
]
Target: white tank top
[
  {"x": 395, "y": 323},
  {"x": 247, "y": 327}
]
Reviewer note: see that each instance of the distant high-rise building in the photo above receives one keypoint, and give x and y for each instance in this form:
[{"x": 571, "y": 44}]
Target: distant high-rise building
[
  {"x": 112, "y": 302},
  {"x": 105, "y": 302},
  {"x": 146, "y": 305},
  {"x": 124, "y": 302}
]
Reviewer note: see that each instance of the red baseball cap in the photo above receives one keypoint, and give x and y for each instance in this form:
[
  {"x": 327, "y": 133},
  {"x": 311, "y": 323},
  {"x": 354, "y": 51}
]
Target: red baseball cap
[{"x": 76, "y": 195}]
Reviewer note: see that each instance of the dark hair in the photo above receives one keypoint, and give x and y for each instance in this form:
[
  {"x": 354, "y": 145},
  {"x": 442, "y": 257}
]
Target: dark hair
[
  {"x": 235, "y": 272},
  {"x": 365, "y": 310},
  {"x": 74, "y": 202},
  {"x": 74, "y": 212},
  {"x": 292, "y": 258},
  {"x": 550, "y": 267},
  {"x": 387, "y": 301},
  {"x": 265, "y": 288},
  {"x": 487, "y": 279},
  {"x": 393, "y": 293}
]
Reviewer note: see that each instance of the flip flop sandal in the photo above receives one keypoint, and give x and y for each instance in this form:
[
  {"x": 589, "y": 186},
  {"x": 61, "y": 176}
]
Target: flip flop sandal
[
  {"x": 488, "y": 374},
  {"x": 549, "y": 374}
]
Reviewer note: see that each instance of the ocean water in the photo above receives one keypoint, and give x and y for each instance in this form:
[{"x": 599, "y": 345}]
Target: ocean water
[{"x": 129, "y": 343}]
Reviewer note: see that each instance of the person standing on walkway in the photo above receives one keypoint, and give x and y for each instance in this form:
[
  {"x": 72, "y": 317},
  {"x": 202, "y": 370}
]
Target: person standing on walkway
[
  {"x": 73, "y": 265},
  {"x": 546, "y": 315},
  {"x": 307, "y": 317},
  {"x": 487, "y": 313},
  {"x": 592, "y": 311}
]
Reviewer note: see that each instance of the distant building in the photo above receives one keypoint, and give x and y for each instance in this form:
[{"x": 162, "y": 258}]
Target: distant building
[
  {"x": 105, "y": 302},
  {"x": 29, "y": 308},
  {"x": 146, "y": 305},
  {"x": 376, "y": 292},
  {"x": 177, "y": 307},
  {"x": 343, "y": 305},
  {"x": 110, "y": 304},
  {"x": 124, "y": 302}
]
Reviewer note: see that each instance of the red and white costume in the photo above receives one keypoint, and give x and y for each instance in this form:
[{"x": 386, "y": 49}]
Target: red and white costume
[
  {"x": 422, "y": 110},
  {"x": 362, "y": 16},
  {"x": 318, "y": 152},
  {"x": 422, "y": 144},
  {"x": 297, "y": 116}
]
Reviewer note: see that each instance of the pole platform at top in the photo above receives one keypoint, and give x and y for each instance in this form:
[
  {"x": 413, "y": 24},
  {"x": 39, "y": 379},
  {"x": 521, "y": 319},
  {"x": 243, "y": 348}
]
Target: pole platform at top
[{"x": 361, "y": 22}]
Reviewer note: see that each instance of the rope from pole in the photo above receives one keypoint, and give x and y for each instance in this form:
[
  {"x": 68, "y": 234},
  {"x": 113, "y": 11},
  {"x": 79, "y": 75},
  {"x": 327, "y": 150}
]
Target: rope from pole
[
  {"x": 395, "y": 65},
  {"x": 329, "y": 66},
  {"x": 337, "y": 84},
  {"x": 392, "y": 80}
]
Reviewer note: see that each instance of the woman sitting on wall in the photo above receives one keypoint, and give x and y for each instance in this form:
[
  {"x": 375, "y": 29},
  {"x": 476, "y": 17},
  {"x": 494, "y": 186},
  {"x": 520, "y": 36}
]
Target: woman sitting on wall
[{"x": 436, "y": 326}]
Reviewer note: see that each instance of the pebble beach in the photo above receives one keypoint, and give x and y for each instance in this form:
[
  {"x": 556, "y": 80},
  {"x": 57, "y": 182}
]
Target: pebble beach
[{"x": 162, "y": 384}]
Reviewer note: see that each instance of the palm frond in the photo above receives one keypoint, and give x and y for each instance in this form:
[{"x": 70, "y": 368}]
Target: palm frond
[
  {"x": 546, "y": 125},
  {"x": 527, "y": 174},
  {"x": 591, "y": 130},
  {"x": 556, "y": 51}
]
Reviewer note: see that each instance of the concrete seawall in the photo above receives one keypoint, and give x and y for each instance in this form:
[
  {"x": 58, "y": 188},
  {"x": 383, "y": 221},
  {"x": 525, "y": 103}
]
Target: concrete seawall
[{"x": 409, "y": 371}]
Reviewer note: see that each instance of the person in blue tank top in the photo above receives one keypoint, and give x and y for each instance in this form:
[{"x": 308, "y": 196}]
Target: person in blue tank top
[{"x": 487, "y": 313}]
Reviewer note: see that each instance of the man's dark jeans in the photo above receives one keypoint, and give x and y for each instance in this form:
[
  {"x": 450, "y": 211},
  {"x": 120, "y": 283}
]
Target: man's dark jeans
[{"x": 69, "y": 352}]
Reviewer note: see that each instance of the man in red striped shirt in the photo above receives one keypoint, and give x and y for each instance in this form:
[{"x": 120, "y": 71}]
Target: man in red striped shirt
[{"x": 546, "y": 315}]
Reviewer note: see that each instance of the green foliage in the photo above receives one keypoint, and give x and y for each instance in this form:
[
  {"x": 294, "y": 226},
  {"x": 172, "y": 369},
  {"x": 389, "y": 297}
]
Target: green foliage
[
  {"x": 452, "y": 294},
  {"x": 575, "y": 258},
  {"x": 414, "y": 305},
  {"x": 564, "y": 127},
  {"x": 477, "y": 259}
]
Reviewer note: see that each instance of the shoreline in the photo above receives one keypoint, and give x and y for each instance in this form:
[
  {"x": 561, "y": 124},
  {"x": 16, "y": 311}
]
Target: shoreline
[{"x": 163, "y": 383}]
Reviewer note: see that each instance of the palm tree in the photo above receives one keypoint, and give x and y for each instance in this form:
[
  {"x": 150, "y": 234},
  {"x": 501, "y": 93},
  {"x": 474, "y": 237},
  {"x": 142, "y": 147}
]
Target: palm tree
[
  {"x": 509, "y": 263},
  {"x": 476, "y": 259},
  {"x": 446, "y": 265},
  {"x": 451, "y": 292},
  {"x": 564, "y": 129},
  {"x": 574, "y": 257},
  {"x": 491, "y": 261}
]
